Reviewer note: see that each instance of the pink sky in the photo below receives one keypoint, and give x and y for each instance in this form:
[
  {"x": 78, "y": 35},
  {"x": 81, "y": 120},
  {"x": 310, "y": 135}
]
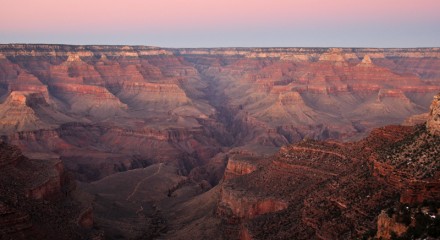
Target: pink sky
[{"x": 143, "y": 17}]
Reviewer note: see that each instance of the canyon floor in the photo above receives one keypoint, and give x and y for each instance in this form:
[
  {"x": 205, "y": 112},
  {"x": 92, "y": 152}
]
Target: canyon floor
[{"x": 229, "y": 143}]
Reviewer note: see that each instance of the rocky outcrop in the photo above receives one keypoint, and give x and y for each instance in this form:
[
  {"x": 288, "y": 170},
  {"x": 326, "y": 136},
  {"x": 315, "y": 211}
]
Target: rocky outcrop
[
  {"x": 237, "y": 165},
  {"x": 387, "y": 225},
  {"x": 366, "y": 60},
  {"x": 433, "y": 123},
  {"x": 234, "y": 204},
  {"x": 27, "y": 111},
  {"x": 16, "y": 113},
  {"x": 416, "y": 119},
  {"x": 241, "y": 205}
]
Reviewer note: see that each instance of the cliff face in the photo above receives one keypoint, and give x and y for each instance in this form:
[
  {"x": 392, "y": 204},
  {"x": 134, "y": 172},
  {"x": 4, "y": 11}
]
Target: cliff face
[
  {"x": 236, "y": 204},
  {"x": 239, "y": 167}
]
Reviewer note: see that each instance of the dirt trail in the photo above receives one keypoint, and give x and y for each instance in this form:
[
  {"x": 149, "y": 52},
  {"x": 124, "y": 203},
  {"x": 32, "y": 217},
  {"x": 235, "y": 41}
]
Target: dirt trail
[
  {"x": 320, "y": 151},
  {"x": 141, "y": 181}
]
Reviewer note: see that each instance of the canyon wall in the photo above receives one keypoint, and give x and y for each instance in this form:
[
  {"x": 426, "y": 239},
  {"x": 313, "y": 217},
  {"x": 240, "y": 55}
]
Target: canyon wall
[{"x": 105, "y": 109}]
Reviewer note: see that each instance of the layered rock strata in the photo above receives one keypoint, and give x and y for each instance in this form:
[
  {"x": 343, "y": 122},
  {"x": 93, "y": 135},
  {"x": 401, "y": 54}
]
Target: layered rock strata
[{"x": 202, "y": 100}]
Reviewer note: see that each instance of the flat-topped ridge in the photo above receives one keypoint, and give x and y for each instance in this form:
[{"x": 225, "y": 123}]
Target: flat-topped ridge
[{"x": 61, "y": 50}]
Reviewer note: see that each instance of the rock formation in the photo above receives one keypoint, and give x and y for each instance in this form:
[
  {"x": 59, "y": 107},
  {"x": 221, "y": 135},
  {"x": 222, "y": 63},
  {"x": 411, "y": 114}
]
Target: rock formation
[
  {"x": 16, "y": 114},
  {"x": 433, "y": 123},
  {"x": 386, "y": 225},
  {"x": 366, "y": 60}
]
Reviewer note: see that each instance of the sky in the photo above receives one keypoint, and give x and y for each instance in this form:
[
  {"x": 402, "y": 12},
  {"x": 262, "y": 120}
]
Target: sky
[{"x": 223, "y": 23}]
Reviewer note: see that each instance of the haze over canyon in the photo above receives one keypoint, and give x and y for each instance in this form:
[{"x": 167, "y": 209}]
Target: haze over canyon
[{"x": 137, "y": 142}]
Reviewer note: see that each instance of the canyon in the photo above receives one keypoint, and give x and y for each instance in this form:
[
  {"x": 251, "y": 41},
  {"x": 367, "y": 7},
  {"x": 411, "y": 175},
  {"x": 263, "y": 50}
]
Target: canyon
[{"x": 226, "y": 143}]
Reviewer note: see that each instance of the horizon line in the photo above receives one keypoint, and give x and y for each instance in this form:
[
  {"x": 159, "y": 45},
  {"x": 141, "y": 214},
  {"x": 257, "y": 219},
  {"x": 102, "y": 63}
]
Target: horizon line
[{"x": 223, "y": 47}]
